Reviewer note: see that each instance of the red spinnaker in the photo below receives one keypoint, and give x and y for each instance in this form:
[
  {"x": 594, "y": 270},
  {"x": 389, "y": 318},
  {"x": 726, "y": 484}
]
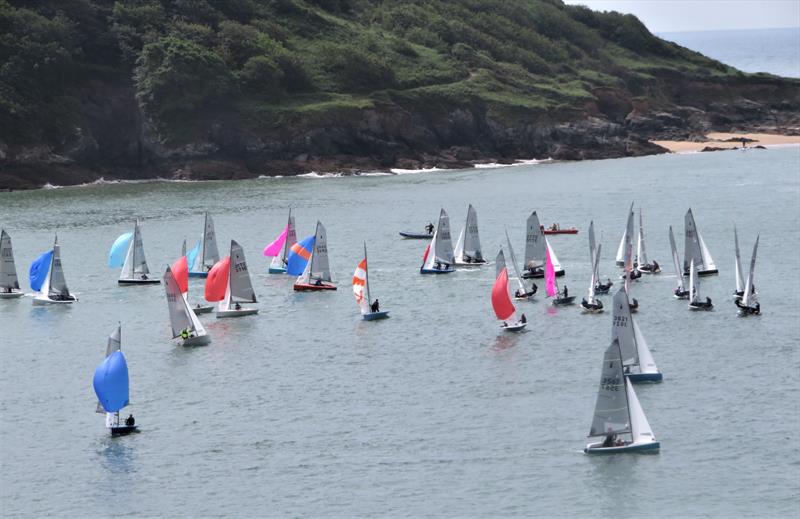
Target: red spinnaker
[
  {"x": 217, "y": 280},
  {"x": 501, "y": 301},
  {"x": 181, "y": 272},
  {"x": 425, "y": 256}
]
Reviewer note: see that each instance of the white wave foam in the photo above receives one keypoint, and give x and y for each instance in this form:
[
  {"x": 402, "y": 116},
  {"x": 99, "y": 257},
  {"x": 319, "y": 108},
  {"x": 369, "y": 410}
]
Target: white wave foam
[
  {"x": 314, "y": 174},
  {"x": 525, "y": 162},
  {"x": 51, "y": 186},
  {"x": 400, "y": 171}
]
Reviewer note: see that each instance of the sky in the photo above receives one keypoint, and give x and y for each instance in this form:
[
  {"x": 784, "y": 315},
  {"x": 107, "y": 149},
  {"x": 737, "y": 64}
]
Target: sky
[{"x": 704, "y": 15}]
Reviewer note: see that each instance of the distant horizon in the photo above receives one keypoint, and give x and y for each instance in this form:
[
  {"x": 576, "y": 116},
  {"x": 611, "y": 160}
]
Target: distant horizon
[{"x": 796, "y": 28}]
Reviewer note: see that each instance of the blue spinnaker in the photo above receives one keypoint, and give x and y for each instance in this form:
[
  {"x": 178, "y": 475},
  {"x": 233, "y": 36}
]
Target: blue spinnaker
[
  {"x": 299, "y": 255},
  {"x": 116, "y": 256},
  {"x": 191, "y": 256},
  {"x": 111, "y": 382},
  {"x": 39, "y": 270}
]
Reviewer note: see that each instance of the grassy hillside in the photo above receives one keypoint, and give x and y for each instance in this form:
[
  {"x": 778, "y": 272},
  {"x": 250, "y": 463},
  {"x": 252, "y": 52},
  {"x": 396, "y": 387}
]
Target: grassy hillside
[{"x": 276, "y": 60}]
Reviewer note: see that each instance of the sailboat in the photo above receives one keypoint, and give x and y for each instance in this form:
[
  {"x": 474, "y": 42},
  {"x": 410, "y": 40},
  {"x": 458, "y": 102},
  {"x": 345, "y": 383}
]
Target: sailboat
[
  {"x": 180, "y": 269},
  {"x": 694, "y": 291},
  {"x": 551, "y": 284},
  {"x": 317, "y": 273},
  {"x": 502, "y": 304},
  {"x": 370, "y": 311},
  {"x": 128, "y": 252},
  {"x": 739, "y": 292},
  {"x": 439, "y": 256},
  {"x": 599, "y": 287},
  {"x": 46, "y": 277},
  {"x": 618, "y": 411},
  {"x": 695, "y": 249},
  {"x": 631, "y": 272},
  {"x": 637, "y": 360},
  {"x": 591, "y": 304},
  {"x": 521, "y": 292},
  {"x": 468, "y": 247},
  {"x": 184, "y": 322},
  {"x": 9, "y": 283},
  {"x": 111, "y": 385},
  {"x": 641, "y": 253},
  {"x": 281, "y": 246},
  {"x": 621, "y": 250},
  {"x": 680, "y": 291},
  {"x": 748, "y": 304},
  {"x": 204, "y": 255},
  {"x": 536, "y": 246},
  {"x": 229, "y": 283}
]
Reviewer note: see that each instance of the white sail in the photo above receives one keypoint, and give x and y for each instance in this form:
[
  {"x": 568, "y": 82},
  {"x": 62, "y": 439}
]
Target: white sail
[
  {"x": 620, "y": 258},
  {"x": 319, "y": 267},
  {"x": 628, "y": 255},
  {"x": 210, "y": 253},
  {"x": 291, "y": 237},
  {"x": 611, "y": 409},
  {"x": 458, "y": 251},
  {"x": 708, "y": 261},
  {"x": 114, "y": 344},
  {"x": 514, "y": 264},
  {"x": 676, "y": 262},
  {"x": 534, "y": 243},
  {"x": 472, "y": 241},
  {"x": 694, "y": 283},
  {"x": 553, "y": 258},
  {"x": 737, "y": 263},
  {"x": 622, "y": 328},
  {"x": 641, "y": 252},
  {"x": 592, "y": 243},
  {"x": 646, "y": 362},
  {"x": 179, "y": 311},
  {"x": 57, "y": 284},
  {"x": 749, "y": 297},
  {"x": 691, "y": 244},
  {"x": 499, "y": 263},
  {"x": 239, "y": 286},
  {"x": 443, "y": 245},
  {"x": 135, "y": 262},
  {"x": 8, "y": 271},
  {"x": 640, "y": 427},
  {"x": 593, "y": 279}
]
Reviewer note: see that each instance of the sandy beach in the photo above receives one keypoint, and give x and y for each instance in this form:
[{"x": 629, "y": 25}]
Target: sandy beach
[{"x": 717, "y": 140}]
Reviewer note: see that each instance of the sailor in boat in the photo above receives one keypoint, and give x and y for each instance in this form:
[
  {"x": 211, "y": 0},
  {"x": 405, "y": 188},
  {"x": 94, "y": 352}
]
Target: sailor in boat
[
  {"x": 129, "y": 421},
  {"x": 375, "y": 307},
  {"x": 467, "y": 258},
  {"x": 679, "y": 293},
  {"x": 144, "y": 276},
  {"x": 656, "y": 266},
  {"x": 184, "y": 334},
  {"x": 523, "y": 319},
  {"x": 429, "y": 228},
  {"x": 237, "y": 306},
  {"x": 566, "y": 293},
  {"x": 521, "y": 293}
]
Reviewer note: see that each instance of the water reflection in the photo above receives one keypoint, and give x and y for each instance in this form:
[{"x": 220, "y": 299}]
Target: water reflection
[{"x": 506, "y": 341}]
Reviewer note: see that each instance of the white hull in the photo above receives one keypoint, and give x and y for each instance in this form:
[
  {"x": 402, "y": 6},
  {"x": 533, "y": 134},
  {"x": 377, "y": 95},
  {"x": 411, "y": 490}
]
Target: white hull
[
  {"x": 516, "y": 327},
  {"x": 42, "y": 300},
  {"x": 236, "y": 313},
  {"x": 458, "y": 263},
  {"x": 198, "y": 340},
  {"x": 11, "y": 295}
]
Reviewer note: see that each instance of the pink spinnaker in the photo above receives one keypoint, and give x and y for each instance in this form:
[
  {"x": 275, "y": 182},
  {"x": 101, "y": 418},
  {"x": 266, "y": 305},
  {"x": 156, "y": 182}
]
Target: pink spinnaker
[
  {"x": 549, "y": 275},
  {"x": 274, "y": 248}
]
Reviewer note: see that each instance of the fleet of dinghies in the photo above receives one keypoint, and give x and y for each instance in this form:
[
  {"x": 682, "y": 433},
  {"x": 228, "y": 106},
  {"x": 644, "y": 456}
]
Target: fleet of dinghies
[{"x": 618, "y": 417}]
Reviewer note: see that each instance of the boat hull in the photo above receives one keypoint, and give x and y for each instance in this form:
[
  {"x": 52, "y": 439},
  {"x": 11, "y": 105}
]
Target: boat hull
[
  {"x": 538, "y": 274},
  {"x": 436, "y": 271},
  {"x": 644, "y": 377},
  {"x": 590, "y": 309},
  {"x": 41, "y": 300},
  {"x": 645, "y": 447},
  {"x": 416, "y": 235},
  {"x": 236, "y": 313},
  {"x": 310, "y": 287},
  {"x": 10, "y": 295},
  {"x": 560, "y": 231},
  {"x": 207, "y": 309},
  {"x": 702, "y": 307},
  {"x": 198, "y": 274},
  {"x": 198, "y": 340},
  {"x": 703, "y": 272},
  {"x": 472, "y": 264},
  {"x": 516, "y": 327},
  {"x": 276, "y": 270},
  {"x": 123, "y": 430},
  {"x": 563, "y": 301},
  {"x": 139, "y": 281},
  {"x": 375, "y": 316}
]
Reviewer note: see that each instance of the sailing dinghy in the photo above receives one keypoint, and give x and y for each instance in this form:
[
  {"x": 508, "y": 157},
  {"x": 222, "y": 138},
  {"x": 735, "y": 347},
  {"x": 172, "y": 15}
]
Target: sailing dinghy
[
  {"x": 46, "y": 277},
  {"x": 317, "y": 274},
  {"x": 641, "y": 253},
  {"x": 631, "y": 272},
  {"x": 281, "y": 246},
  {"x": 551, "y": 284},
  {"x": 536, "y": 247},
  {"x": 180, "y": 269},
  {"x": 637, "y": 360},
  {"x": 739, "y": 292},
  {"x": 591, "y": 304},
  {"x": 9, "y": 282},
  {"x": 370, "y": 311},
  {"x": 748, "y": 304},
  {"x": 185, "y": 324},
  {"x": 694, "y": 291},
  {"x": 205, "y": 254},
  {"x": 128, "y": 252},
  {"x": 680, "y": 291},
  {"x": 112, "y": 387},
  {"x": 468, "y": 247},
  {"x": 439, "y": 256},
  {"x": 502, "y": 304},
  {"x": 695, "y": 249},
  {"x": 521, "y": 292},
  {"x": 620, "y": 260},
  {"x": 229, "y": 283},
  {"x": 599, "y": 287},
  {"x": 618, "y": 411}
]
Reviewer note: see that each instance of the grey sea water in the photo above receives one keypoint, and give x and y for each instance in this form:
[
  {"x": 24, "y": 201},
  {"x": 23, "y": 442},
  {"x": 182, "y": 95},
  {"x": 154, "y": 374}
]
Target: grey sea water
[{"x": 304, "y": 410}]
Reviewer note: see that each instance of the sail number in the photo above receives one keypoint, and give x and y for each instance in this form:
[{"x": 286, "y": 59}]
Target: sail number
[
  {"x": 620, "y": 321},
  {"x": 240, "y": 267},
  {"x": 610, "y": 383}
]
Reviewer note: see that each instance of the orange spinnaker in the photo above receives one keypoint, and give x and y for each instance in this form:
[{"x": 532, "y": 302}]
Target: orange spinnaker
[
  {"x": 217, "y": 280},
  {"x": 181, "y": 272},
  {"x": 501, "y": 301}
]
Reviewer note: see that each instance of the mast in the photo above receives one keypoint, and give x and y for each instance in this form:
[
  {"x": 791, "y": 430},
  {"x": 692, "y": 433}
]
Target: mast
[
  {"x": 203, "y": 243},
  {"x": 366, "y": 274},
  {"x": 288, "y": 231}
]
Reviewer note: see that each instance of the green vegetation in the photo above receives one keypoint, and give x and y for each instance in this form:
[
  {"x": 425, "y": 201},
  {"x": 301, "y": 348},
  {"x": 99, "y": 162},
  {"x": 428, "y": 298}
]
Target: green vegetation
[{"x": 269, "y": 61}]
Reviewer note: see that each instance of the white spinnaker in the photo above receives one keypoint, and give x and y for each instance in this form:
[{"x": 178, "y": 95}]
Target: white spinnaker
[
  {"x": 640, "y": 427},
  {"x": 8, "y": 271},
  {"x": 676, "y": 262},
  {"x": 749, "y": 298}
]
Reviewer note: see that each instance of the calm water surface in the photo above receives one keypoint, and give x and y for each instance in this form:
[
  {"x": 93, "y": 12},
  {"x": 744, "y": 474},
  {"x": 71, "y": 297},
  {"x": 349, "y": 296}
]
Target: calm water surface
[{"x": 304, "y": 410}]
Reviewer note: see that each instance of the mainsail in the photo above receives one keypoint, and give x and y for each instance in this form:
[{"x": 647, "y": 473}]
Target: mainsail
[
  {"x": 135, "y": 262},
  {"x": 361, "y": 285},
  {"x": 611, "y": 415},
  {"x": 241, "y": 289},
  {"x": 210, "y": 254},
  {"x": 622, "y": 328},
  {"x": 318, "y": 267},
  {"x": 535, "y": 245},
  {"x": 748, "y": 299},
  {"x": 179, "y": 313},
  {"x": 628, "y": 256},
  {"x": 695, "y": 248},
  {"x": 472, "y": 242},
  {"x": 694, "y": 283},
  {"x": 641, "y": 253},
  {"x": 499, "y": 263},
  {"x": 738, "y": 264},
  {"x": 621, "y": 250},
  {"x": 443, "y": 245},
  {"x": 676, "y": 262},
  {"x": 58, "y": 285},
  {"x": 8, "y": 271},
  {"x": 593, "y": 280}
]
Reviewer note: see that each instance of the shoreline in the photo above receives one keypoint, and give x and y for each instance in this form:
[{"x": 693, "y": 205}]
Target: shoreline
[{"x": 716, "y": 141}]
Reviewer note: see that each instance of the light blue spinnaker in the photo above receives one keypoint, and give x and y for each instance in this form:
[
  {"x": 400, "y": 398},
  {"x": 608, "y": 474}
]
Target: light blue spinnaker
[
  {"x": 116, "y": 256},
  {"x": 111, "y": 382},
  {"x": 39, "y": 270},
  {"x": 191, "y": 256},
  {"x": 299, "y": 255}
]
